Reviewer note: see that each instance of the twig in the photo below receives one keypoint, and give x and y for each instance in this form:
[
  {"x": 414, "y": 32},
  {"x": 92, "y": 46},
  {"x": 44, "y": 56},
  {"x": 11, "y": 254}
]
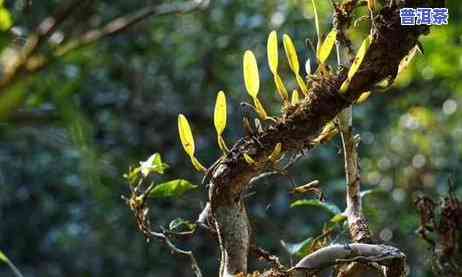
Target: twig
[
  {"x": 138, "y": 205},
  {"x": 194, "y": 264},
  {"x": 13, "y": 268}
]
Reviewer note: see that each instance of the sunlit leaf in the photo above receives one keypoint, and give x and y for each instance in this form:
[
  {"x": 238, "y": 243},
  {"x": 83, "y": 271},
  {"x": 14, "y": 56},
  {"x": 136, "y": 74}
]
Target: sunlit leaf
[
  {"x": 329, "y": 207},
  {"x": 249, "y": 159},
  {"x": 197, "y": 165},
  {"x": 173, "y": 188},
  {"x": 219, "y": 118},
  {"x": 408, "y": 59},
  {"x": 316, "y": 23},
  {"x": 272, "y": 52},
  {"x": 356, "y": 63},
  {"x": 327, "y": 46},
  {"x": 153, "y": 164},
  {"x": 259, "y": 109},
  {"x": 301, "y": 84},
  {"x": 385, "y": 83},
  {"x": 338, "y": 218},
  {"x": 291, "y": 53},
  {"x": 179, "y": 224},
  {"x": 3, "y": 257},
  {"x": 277, "y": 152},
  {"x": 363, "y": 97},
  {"x": 359, "y": 57},
  {"x": 295, "y": 97},
  {"x": 5, "y": 19},
  {"x": 186, "y": 137},
  {"x": 222, "y": 144},
  {"x": 345, "y": 85},
  {"x": 251, "y": 75},
  {"x": 280, "y": 88}
]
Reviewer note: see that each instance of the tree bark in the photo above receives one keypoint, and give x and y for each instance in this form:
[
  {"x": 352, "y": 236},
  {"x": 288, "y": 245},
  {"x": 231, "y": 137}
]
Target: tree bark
[{"x": 298, "y": 126}]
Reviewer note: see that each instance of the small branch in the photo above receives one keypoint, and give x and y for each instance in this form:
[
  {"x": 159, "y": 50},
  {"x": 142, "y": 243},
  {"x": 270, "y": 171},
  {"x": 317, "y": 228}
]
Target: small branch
[
  {"x": 174, "y": 249},
  {"x": 357, "y": 223},
  {"x": 265, "y": 255},
  {"x": 138, "y": 205}
]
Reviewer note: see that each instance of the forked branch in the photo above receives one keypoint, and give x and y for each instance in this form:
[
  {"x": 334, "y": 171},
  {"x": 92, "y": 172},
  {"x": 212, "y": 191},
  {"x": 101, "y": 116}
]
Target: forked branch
[{"x": 297, "y": 128}]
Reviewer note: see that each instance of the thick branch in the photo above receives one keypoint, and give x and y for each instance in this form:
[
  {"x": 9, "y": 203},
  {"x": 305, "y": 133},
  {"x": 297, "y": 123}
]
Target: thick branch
[{"x": 231, "y": 176}]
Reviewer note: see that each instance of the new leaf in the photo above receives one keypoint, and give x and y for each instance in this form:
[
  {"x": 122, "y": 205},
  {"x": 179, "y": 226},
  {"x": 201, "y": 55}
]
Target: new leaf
[
  {"x": 291, "y": 54},
  {"x": 186, "y": 137},
  {"x": 327, "y": 46},
  {"x": 272, "y": 52},
  {"x": 251, "y": 76},
  {"x": 219, "y": 118}
]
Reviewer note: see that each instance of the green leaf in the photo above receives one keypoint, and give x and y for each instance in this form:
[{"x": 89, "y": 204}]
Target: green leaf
[
  {"x": 158, "y": 165},
  {"x": 338, "y": 218},
  {"x": 329, "y": 207},
  {"x": 327, "y": 46},
  {"x": 300, "y": 248},
  {"x": 183, "y": 225},
  {"x": 173, "y": 188},
  {"x": 5, "y": 19},
  {"x": 3, "y": 257}
]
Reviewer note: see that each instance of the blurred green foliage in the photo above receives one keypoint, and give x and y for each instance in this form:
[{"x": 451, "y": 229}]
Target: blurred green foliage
[{"x": 72, "y": 130}]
